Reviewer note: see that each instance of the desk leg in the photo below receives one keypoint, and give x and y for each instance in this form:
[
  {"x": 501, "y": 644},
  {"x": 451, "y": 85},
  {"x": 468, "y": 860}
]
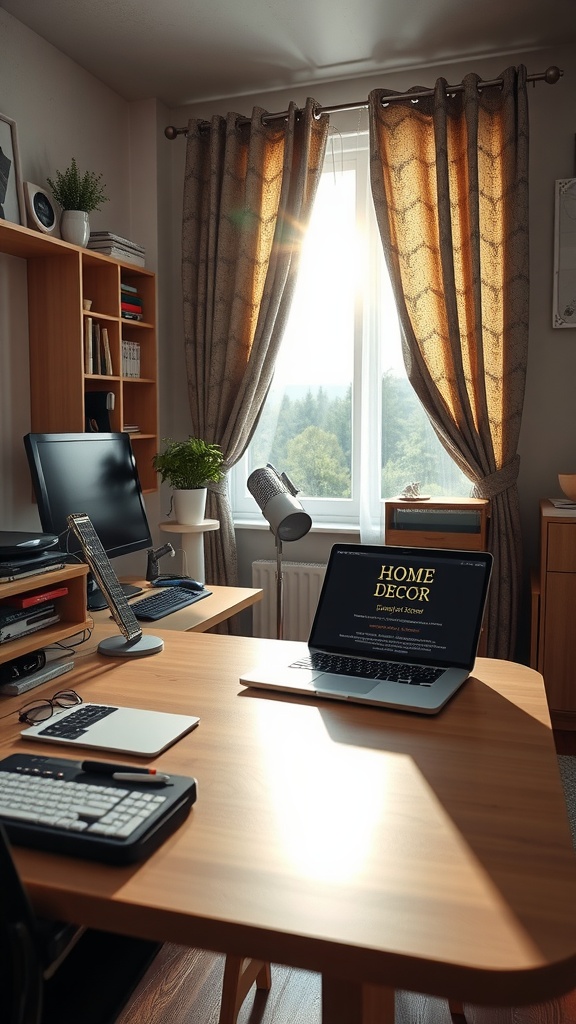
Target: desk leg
[{"x": 346, "y": 1003}]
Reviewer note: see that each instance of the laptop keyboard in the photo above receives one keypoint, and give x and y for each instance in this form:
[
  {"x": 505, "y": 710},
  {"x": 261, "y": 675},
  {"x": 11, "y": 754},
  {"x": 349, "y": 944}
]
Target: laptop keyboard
[
  {"x": 77, "y": 722},
  {"x": 391, "y": 671}
]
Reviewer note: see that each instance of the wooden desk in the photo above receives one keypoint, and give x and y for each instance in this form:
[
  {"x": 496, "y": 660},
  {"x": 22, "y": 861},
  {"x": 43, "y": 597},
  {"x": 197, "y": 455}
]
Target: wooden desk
[
  {"x": 383, "y": 849},
  {"x": 221, "y": 604}
]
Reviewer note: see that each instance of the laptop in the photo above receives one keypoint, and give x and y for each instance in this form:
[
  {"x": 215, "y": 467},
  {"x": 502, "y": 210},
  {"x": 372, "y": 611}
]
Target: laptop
[
  {"x": 117, "y": 729},
  {"x": 395, "y": 627}
]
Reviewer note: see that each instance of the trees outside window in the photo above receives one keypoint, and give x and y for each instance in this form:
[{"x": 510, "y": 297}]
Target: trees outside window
[{"x": 341, "y": 418}]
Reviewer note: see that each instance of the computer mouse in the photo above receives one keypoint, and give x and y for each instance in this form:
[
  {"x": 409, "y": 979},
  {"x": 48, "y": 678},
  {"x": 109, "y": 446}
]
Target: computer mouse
[{"x": 186, "y": 582}]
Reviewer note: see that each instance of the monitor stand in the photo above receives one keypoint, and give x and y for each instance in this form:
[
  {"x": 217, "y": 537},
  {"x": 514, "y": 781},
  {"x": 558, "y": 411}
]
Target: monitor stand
[{"x": 95, "y": 598}]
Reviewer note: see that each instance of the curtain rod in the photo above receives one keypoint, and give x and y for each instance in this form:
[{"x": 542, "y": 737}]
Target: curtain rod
[{"x": 551, "y": 76}]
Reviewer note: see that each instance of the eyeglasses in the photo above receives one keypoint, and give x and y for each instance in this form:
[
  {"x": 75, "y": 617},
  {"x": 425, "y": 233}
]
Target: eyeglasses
[{"x": 41, "y": 710}]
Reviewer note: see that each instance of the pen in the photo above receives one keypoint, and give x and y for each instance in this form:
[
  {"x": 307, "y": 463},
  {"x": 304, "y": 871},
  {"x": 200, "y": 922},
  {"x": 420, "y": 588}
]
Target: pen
[
  {"x": 158, "y": 779},
  {"x": 105, "y": 768}
]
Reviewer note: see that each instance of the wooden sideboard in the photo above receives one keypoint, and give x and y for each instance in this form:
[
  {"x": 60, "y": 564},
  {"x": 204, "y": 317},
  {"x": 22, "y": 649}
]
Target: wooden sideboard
[{"x": 553, "y": 640}]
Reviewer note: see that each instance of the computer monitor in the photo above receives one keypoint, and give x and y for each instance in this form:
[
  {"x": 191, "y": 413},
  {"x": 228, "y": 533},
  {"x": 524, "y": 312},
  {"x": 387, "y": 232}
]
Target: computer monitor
[{"x": 94, "y": 474}]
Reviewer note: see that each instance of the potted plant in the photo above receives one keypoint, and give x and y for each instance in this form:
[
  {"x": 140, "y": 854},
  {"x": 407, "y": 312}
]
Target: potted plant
[
  {"x": 78, "y": 195},
  {"x": 189, "y": 466}
]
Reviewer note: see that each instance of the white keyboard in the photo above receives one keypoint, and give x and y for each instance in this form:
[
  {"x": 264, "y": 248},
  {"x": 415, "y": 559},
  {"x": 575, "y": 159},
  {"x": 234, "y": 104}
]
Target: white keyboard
[
  {"x": 50, "y": 803},
  {"x": 75, "y": 806}
]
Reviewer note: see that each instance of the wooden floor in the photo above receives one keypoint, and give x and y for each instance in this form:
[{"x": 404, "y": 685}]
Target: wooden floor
[{"x": 183, "y": 986}]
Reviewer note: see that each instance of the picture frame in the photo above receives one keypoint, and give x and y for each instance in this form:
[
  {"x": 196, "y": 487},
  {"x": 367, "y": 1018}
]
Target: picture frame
[
  {"x": 564, "y": 294},
  {"x": 40, "y": 209},
  {"x": 12, "y": 206}
]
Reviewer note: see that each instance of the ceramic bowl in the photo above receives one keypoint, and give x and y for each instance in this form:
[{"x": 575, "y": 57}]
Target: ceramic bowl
[{"x": 567, "y": 483}]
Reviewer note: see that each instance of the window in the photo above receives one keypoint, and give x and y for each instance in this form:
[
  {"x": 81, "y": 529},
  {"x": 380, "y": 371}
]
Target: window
[{"x": 341, "y": 418}]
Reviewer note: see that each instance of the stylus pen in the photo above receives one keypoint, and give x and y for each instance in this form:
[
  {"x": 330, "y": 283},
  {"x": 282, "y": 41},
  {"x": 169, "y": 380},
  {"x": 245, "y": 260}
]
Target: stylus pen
[
  {"x": 106, "y": 768},
  {"x": 154, "y": 780}
]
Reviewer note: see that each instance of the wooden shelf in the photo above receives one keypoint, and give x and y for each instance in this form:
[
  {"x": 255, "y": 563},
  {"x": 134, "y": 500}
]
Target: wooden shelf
[
  {"x": 60, "y": 277},
  {"x": 71, "y": 608},
  {"x": 460, "y": 523}
]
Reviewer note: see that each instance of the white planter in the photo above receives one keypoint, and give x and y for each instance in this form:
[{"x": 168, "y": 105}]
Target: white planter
[
  {"x": 190, "y": 506},
  {"x": 75, "y": 226}
]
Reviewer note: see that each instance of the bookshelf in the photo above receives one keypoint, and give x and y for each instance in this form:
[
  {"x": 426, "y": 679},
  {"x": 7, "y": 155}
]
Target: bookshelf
[
  {"x": 71, "y": 608},
  {"x": 60, "y": 277}
]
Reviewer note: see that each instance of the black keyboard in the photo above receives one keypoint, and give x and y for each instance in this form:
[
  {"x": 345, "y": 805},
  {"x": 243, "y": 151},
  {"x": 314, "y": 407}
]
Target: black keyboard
[
  {"x": 365, "y": 668},
  {"x": 75, "y": 724},
  {"x": 49, "y": 803},
  {"x": 164, "y": 602}
]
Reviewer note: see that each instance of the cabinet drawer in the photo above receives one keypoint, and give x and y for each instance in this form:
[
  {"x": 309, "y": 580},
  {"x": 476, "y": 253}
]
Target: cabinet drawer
[{"x": 561, "y": 547}]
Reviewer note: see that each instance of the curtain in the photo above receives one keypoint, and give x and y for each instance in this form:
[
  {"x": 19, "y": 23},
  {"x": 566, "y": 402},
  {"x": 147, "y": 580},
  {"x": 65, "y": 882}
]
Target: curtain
[
  {"x": 449, "y": 179},
  {"x": 248, "y": 192}
]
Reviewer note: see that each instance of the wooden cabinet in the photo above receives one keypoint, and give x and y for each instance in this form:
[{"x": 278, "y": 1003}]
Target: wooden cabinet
[
  {"x": 60, "y": 277},
  {"x": 441, "y": 523},
  {"x": 71, "y": 608},
  {"x": 460, "y": 523},
  {"x": 553, "y": 641}
]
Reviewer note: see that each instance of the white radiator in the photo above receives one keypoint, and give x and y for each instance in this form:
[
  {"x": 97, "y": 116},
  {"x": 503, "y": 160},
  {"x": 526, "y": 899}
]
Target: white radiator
[{"x": 302, "y": 582}]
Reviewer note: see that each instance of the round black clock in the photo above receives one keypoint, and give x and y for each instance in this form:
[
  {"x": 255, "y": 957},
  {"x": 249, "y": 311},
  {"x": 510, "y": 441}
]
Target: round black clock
[{"x": 40, "y": 209}]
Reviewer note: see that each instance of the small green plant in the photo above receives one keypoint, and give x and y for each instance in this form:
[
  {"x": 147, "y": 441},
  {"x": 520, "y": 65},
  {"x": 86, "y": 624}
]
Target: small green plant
[
  {"x": 189, "y": 464},
  {"x": 75, "y": 191}
]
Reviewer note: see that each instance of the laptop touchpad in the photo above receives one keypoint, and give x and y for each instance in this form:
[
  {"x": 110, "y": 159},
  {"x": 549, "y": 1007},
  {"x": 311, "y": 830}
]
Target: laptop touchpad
[{"x": 344, "y": 684}]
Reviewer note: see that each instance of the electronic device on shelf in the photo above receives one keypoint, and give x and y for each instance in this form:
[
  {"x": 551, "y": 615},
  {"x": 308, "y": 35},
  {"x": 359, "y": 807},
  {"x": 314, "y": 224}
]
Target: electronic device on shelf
[
  {"x": 95, "y": 474},
  {"x": 49, "y": 803},
  {"x": 21, "y": 544},
  {"x": 132, "y": 643}
]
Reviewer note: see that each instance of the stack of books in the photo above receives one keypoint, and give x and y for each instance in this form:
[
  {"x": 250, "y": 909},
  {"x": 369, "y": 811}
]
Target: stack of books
[
  {"x": 130, "y": 358},
  {"x": 97, "y": 354},
  {"x": 120, "y": 248},
  {"x": 131, "y": 306}
]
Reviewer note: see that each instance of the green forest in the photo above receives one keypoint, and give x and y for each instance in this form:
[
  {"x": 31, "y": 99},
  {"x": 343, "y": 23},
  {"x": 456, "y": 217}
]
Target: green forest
[{"x": 310, "y": 439}]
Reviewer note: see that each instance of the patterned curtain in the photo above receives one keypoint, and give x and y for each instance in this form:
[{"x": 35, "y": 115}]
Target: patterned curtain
[
  {"x": 450, "y": 185},
  {"x": 248, "y": 193}
]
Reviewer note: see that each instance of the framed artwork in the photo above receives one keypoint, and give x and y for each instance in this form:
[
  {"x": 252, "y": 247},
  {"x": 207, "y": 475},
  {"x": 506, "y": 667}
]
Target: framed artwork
[
  {"x": 564, "y": 297},
  {"x": 40, "y": 209},
  {"x": 11, "y": 192}
]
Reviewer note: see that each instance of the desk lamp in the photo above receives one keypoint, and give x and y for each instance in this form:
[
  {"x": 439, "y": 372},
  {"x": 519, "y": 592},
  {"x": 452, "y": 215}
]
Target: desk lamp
[{"x": 275, "y": 495}]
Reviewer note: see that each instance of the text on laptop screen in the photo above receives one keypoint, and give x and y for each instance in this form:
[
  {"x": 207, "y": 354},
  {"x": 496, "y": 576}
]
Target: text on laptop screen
[{"x": 402, "y": 604}]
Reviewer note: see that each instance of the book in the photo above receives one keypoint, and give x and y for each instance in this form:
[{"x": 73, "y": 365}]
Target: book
[
  {"x": 34, "y": 597},
  {"x": 128, "y": 288},
  {"x": 24, "y": 628},
  {"x": 96, "y": 338},
  {"x": 109, "y": 236},
  {"x": 121, "y": 254},
  {"x": 88, "y": 364},
  {"x": 127, "y": 315},
  {"x": 130, "y": 307},
  {"x": 108, "y": 368},
  {"x": 130, "y": 358},
  {"x": 130, "y": 299}
]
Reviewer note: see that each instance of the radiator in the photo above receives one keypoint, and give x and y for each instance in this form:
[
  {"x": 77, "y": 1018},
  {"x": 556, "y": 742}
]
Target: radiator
[{"x": 302, "y": 582}]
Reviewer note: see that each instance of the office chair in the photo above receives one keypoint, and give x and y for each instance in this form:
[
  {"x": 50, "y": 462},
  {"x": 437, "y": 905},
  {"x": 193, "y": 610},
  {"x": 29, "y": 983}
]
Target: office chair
[{"x": 58, "y": 973}]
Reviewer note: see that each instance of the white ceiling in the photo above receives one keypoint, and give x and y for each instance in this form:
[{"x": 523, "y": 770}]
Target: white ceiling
[{"x": 183, "y": 51}]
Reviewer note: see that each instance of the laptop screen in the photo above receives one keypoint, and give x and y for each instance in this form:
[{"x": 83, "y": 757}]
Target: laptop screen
[{"x": 420, "y": 605}]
